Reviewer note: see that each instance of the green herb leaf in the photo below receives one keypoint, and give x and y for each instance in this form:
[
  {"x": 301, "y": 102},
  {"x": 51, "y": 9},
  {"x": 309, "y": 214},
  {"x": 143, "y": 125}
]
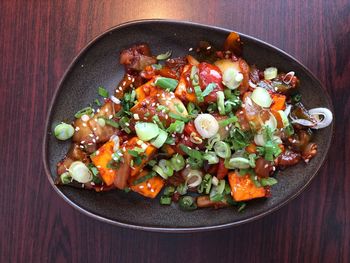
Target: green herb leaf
[
  {"x": 97, "y": 102},
  {"x": 85, "y": 111},
  {"x": 103, "y": 92},
  {"x": 166, "y": 83},
  {"x": 268, "y": 181},
  {"x": 145, "y": 178},
  {"x": 157, "y": 121},
  {"x": 199, "y": 93},
  {"x": 164, "y": 56}
]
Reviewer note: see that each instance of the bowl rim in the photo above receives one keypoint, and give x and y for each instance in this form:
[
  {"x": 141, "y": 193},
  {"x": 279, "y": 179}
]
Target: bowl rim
[{"x": 164, "y": 228}]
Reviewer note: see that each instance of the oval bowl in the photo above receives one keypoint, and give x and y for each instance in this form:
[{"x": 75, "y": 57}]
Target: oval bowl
[{"x": 98, "y": 65}]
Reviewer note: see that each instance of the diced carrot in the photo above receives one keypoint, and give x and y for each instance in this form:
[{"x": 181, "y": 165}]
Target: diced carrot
[
  {"x": 146, "y": 156},
  {"x": 148, "y": 188},
  {"x": 251, "y": 148},
  {"x": 243, "y": 188},
  {"x": 279, "y": 102},
  {"x": 181, "y": 89},
  {"x": 101, "y": 160}
]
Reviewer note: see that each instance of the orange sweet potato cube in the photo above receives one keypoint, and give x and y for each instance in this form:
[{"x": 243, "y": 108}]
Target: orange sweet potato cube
[
  {"x": 149, "y": 187},
  {"x": 243, "y": 188}
]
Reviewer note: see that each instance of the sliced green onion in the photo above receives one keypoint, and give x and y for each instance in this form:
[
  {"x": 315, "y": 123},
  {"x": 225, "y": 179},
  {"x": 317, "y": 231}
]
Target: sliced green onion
[
  {"x": 227, "y": 190},
  {"x": 164, "y": 56},
  {"x": 241, "y": 207},
  {"x": 268, "y": 181},
  {"x": 194, "y": 178},
  {"x": 85, "y": 111},
  {"x": 170, "y": 141},
  {"x": 187, "y": 203},
  {"x": 177, "y": 162},
  {"x": 157, "y": 121},
  {"x": 177, "y": 126},
  {"x": 66, "y": 178},
  {"x": 296, "y": 98},
  {"x": 194, "y": 71},
  {"x": 97, "y": 102},
  {"x": 165, "y": 200},
  {"x": 103, "y": 92},
  {"x": 261, "y": 97},
  {"x": 191, "y": 152},
  {"x": 232, "y": 78},
  {"x": 208, "y": 89},
  {"x": 216, "y": 193},
  {"x": 160, "y": 139},
  {"x": 237, "y": 162},
  {"x": 146, "y": 130},
  {"x": 166, "y": 83},
  {"x": 198, "y": 92},
  {"x": 211, "y": 157},
  {"x": 64, "y": 131},
  {"x": 145, "y": 178},
  {"x": 221, "y": 102},
  {"x": 101, "y": 121},
  {"x": 289, "y": 130},
  {"x": 270, "y": 73},
  {"x": 169, "y": 190},
  {"x": 164, "y": 169},
  {"x": 111, "y": 123},
  {"x": 178, "y": 117},
  {"x": 212, "y": 141},
  {"x": 228, "y": 121},
  {"x": 252, "y": 158},
  {"x": 182, "y": 189},
  {"x": 124, "y": 124},
  {"x": 222, "y": 149},
  {"x": 80, "y": 172}
]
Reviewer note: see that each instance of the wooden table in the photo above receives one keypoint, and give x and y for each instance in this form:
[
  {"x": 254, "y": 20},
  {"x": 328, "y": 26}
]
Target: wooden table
[{"x": 38, "y": 39}]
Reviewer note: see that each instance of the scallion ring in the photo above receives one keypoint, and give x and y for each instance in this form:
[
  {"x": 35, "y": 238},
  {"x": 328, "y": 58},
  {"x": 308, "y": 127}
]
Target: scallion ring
[
  {"x": 211, "y": 157},
  {"x": 187, "y": 203},
  {"x": 177, "y": 162},
  {"x": 222, "y": 149},
  {"x": 63, "y": 131}
]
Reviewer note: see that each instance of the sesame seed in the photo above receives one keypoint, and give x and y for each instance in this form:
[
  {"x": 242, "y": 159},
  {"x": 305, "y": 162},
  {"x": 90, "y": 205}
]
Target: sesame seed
[
  {"x": 84, "y": 124},
  {"x": 82, "y": 142},
  {"x": 91, "y": 135},
  {"x": 149, "y": 185},
  {"x": 81, "y": 146},
  {"x": 97, "y": 152},
  {"x": 90, "y": 143},
  {"x": 97, "y": 137},
  {"x": 124, "y": 82},
  {"x": 266, "y": 165},
  {"x": 136, "y": 116},
  {"x": 85, "y": 117},
  {"x": 93, "y": 140},
  {"x": 92, "y": 183},
  {"x": 77, "y": 129},
  {"x": 110, "y": 116},
  {"x": 152, "y": 190},
  {"x": 187, "y": 165},
  {"x": 166, "y": 116},
  {"x": 94, "y": 129},
  {"x": 127, "y": 124},
  {"x": 98, "y": 166},
  {"x": 190, "y": 49},
  {"x": 141, "y": 187},
  {"x": 98, "y": 110},
  {"x": 120, "y": 88}
]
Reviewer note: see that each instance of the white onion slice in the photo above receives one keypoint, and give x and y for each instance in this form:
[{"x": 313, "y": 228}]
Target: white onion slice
[
  {"x": 206, "y": 125},
  {"x": 79, "y": 172},
  {"x": 288, "y": 77},
  {"x": 251, "y": 84},
  {"x": 304, "y": 122},
  {"x": 261, "y": 97},
  {"x": 327, "y": 117}
]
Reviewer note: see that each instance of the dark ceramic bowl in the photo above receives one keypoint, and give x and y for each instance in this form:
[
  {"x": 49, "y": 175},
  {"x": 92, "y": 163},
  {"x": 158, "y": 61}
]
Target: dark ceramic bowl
[{"x": 97, "y": 64}]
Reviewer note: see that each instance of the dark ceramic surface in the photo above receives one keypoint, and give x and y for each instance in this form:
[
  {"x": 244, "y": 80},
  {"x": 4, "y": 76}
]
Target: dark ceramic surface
[{"x": 98, "y": 65}]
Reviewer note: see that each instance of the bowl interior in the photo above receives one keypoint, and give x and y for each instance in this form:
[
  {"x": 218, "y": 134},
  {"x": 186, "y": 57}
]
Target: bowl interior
[{"x": 98, "y": 65}]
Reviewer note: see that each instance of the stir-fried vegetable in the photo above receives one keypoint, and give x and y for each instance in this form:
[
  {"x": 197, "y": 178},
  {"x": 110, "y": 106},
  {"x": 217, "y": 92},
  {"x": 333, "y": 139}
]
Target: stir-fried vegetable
[{"x": 209, "y": 129}]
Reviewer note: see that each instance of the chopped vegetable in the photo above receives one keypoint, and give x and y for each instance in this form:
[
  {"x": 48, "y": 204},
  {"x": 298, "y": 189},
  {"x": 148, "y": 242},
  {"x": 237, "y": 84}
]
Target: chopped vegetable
[
  {"x": 243, "y": 188},
  {"x": 166, "y": 83},
  {"x": 64, "y": 131},
  {"x": 148, "y": 188},
  {"x": 206, "y": 125},
  {"x": 103, "y": 92},
  {"x": 261, "y": 97},
  {"x": 146, "y": 130}
]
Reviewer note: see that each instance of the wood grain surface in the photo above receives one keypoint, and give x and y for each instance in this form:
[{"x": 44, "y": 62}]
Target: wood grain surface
[{"x": 38, "y": 39}]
